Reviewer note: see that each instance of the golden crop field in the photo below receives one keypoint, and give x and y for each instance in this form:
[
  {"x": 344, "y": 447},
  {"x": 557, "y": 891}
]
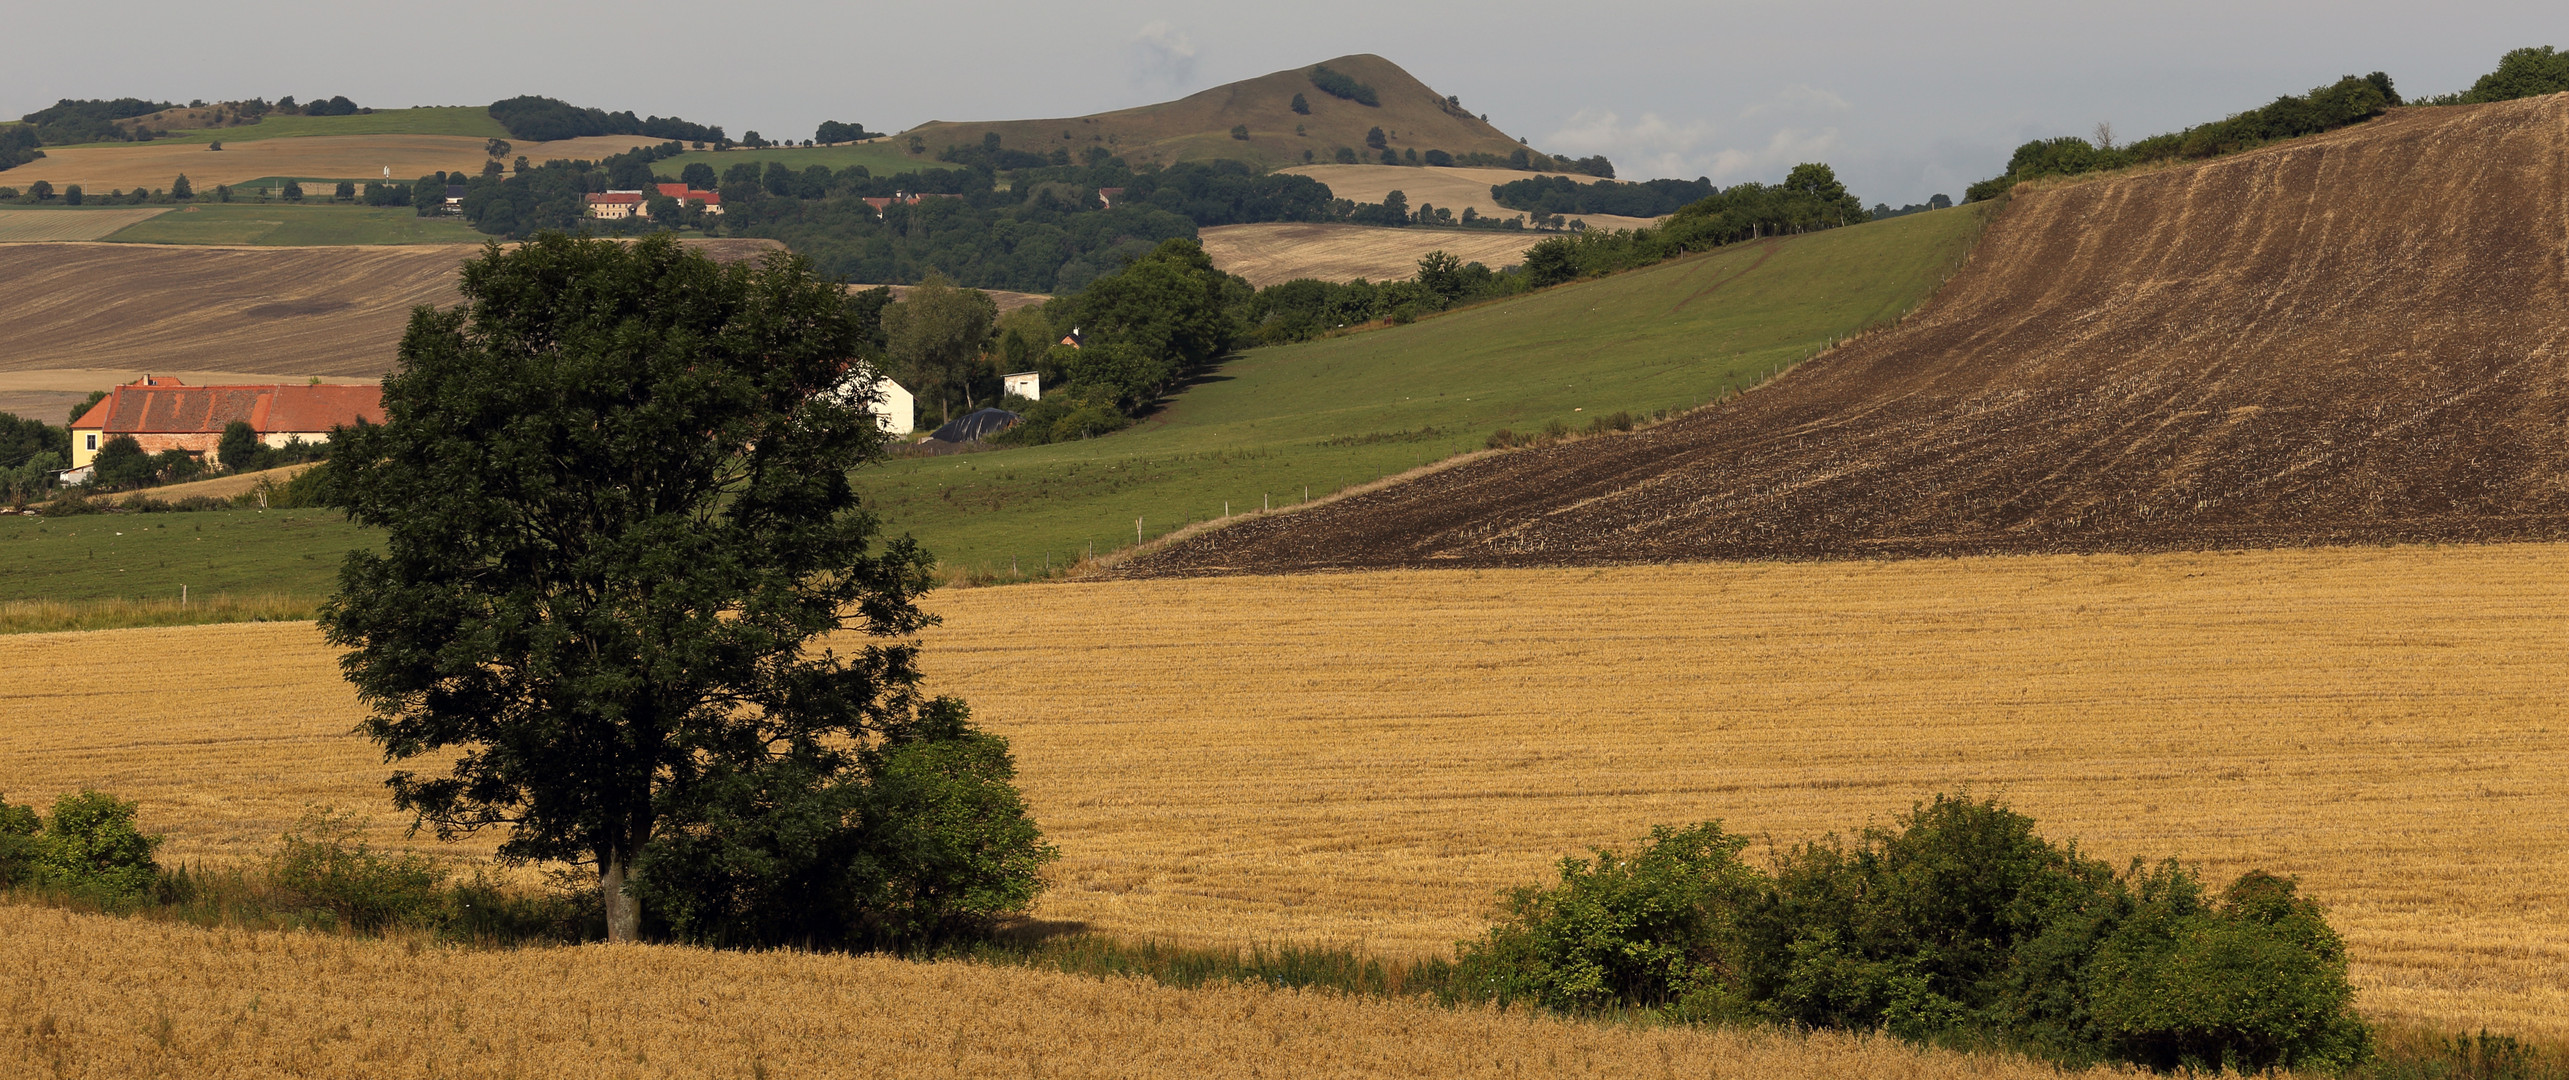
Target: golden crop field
[
  {"x": 1367, "y": 759},
  {"x": 99, "y": 996},
  {"x": 21, "y": 225},
  {"x": 1453, "y": 189},
  {"x": 1268, "y": 254},
  {"x": 336, "y": 157}
]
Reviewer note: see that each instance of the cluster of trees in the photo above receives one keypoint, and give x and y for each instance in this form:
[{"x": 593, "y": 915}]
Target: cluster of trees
[
  {"x": 18, "y": 145},
  {"x": 543, "y": 119},
  {"x": 89, "y": 846},
  {"x": 1307, "y": 308},
  {"x": 2521, "y": 73},
  {"x": 832, "y": 131},
  {"x": 1562, "y": 195},
  {"x": 2350, "y": 100},
  {"x": 334, "y": 105},
  {"x": 1957, "y": 924},
  {"x": 1810, "y": 199},
  {"x": 538, "y": 197},
  {"x": 31, "y": 452},
  {"x": 1938, "y": 201},
  {"x": 1522, "y": 159},
  {"x": 91, "y": 120},
  {"x": 1340, "y": 85}
]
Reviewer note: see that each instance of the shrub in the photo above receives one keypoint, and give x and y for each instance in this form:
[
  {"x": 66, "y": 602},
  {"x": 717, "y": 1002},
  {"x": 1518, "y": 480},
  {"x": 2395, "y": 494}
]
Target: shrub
[
  {"x": 1955, "y": 923},
  {"x": 18, "y": 828},
  {"x": 92, "y": 845},
  {"x": 323, "y": 864}
]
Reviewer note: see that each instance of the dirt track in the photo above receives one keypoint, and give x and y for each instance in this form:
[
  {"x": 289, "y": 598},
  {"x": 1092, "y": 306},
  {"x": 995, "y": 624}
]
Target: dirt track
[{"x": 2354, "y": 338}]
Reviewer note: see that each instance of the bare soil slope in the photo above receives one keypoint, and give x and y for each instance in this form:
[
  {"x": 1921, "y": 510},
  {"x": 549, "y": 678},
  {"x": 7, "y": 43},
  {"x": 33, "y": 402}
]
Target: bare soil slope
[
  {"x": 1198, "y": 127},
  {"x": 2354, "y": 338},
  {"x": 1273, "y": 253}
]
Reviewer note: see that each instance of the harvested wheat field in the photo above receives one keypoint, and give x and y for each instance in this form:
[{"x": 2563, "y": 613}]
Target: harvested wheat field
[
  {"x": 2105, "y": 373},
  {"x": 334, "y": 157},
  {"x": 1367, "y": 759},
  {"x": 1452, "y": 189},
  {"x": 98, "y": 996},
  {"x": 1269, "y": 254},
  {"x": 19, "y": 226},
  {"x": 282, "y": 311}
]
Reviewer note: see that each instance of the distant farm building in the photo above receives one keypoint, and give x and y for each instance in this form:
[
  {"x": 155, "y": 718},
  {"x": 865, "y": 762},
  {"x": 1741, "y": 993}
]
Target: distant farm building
[
  {"x": 892, "y": 406},
  {"x": 712, "y": 201},
  {"x": 1025, "y": 384},
  {"x": 614, "y": 205},
  {"x": 165, "y": 414},
  {"x": 902, "y": 198}
]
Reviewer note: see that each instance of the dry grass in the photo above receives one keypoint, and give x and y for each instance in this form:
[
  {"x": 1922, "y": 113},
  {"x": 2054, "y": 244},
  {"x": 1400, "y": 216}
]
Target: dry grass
[
  {"x": 224, "y": 486},
  {"x": 19, "y": 226},
  {"x": 1453, "y": 189},
  {"x": 56, "y": 616},
  {"x": 1366, "y": 759},
  {"x": 336, "y": 157},
  {"x": 138, "y": 307},
  {"x": 1268, "y": 254},
  {"x": 99, "y": 996}
]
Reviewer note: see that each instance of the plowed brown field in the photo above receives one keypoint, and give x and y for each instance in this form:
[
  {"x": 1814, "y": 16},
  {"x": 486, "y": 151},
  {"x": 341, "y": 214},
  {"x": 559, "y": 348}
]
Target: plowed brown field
[
  {"x": 1268, "y": 254},
  {"x": 2352, "y": 338}
]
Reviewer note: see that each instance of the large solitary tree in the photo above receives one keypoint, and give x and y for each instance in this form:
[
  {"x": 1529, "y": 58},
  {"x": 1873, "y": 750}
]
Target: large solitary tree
[{"x": 619, "y": 530}]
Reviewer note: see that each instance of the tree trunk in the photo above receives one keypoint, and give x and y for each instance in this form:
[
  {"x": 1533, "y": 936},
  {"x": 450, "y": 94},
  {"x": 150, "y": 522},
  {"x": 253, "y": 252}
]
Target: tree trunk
[{"x": 624, "y": 913}]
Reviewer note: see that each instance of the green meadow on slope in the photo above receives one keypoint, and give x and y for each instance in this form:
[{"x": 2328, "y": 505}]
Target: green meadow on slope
[
  {"x": 151, "y": 556},
  {"x": 1344, "y": 411}
]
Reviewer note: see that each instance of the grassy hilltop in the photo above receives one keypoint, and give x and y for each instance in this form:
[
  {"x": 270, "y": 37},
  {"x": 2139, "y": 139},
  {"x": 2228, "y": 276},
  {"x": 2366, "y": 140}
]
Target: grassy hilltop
[{"x": 1198, "y": 127}]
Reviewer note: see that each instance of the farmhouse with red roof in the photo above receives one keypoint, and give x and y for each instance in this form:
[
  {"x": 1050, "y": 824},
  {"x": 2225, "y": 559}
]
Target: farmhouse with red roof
[{"x": 165, "y": 414}]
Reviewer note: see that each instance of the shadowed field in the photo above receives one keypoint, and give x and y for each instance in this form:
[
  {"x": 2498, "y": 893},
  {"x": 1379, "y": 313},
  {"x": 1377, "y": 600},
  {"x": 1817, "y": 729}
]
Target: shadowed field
[
  {"x": 1268, "y": 254},
  {"x": 2356, "y": 337},
  {"x": 1367, "y": 759}
]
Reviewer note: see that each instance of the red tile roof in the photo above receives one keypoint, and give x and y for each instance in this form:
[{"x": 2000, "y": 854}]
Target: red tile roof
[
  {"x": 160, "y": 407},
  {"x": 683, "y": 193}
]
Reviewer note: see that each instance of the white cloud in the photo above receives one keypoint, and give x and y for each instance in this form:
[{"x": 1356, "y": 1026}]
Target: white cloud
[
  {"x": 1761, "y": 142},
  {"x": 1163, "y": 56}
]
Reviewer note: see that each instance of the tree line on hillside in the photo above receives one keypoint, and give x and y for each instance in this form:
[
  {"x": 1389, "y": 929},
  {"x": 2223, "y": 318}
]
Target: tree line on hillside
[
  {"x": 73, "y": 121},
  {"x": 532, "y": 118},
  {"x": 2353, "y": 99},
  {"x": 1562, "y": 195}
]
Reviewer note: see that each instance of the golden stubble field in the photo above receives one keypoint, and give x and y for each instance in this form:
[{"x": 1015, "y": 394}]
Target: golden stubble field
[
  {"x": 218, "y": 1005},
  {"x": 1368, "y": 759},
  {"x": 1274, "y": 253},
  {"x": 335, "y": 157},
  {"x": 22, "y": 225}
]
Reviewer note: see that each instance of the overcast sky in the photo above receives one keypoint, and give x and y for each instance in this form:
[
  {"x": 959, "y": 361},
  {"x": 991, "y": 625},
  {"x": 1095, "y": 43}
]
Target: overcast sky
[{"x": 1905, "y": 99}]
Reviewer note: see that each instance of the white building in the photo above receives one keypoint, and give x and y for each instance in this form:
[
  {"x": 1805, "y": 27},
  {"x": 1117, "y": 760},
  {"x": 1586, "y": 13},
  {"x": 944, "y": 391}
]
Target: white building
[
  {"x": 892, "y": 406},
  {"x": 1025, "y": 384}
]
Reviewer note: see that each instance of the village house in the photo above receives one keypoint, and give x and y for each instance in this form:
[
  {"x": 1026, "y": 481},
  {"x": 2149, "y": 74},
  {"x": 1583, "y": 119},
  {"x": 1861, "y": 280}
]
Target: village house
[
  {"x": 901, "y": 198},
  {"x": 1025, "y": 384},
  {"x": 162, "y": 413},
  {"x": 619, "y": 205}
]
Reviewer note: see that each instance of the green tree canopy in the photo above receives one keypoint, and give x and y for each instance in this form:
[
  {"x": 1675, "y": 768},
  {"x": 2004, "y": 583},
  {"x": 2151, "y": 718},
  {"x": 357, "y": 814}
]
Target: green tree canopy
[
  {"x": 619, "y": 529},
  {"x": 2523, "y": 73},
  {"x": 936, "y": 335}
]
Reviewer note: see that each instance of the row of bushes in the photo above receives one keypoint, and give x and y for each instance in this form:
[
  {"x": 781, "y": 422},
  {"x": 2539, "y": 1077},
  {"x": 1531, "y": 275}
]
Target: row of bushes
[
  {"x": 1957, "y": 924},
  {"x": 2350, "y": 100}
]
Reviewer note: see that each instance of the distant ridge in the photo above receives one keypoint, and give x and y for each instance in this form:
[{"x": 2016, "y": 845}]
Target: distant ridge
[{"x": 1198, "y": 127}]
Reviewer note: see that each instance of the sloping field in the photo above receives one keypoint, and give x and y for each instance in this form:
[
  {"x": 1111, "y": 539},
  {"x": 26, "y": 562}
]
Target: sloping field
[
  {"x": 2359, "y": 337},
  {"x": 1268, "y": 254},
  {"x": 1368, "y": 758},
  {"x": 280, "y": 311},
  {"x": 154, "y": 164},
  {"x": 103, "y": 996},
  {"x": 1328, "y": 415},
  {"x": 20, "y": 225},
  {"x": 1453, "y": 189}
]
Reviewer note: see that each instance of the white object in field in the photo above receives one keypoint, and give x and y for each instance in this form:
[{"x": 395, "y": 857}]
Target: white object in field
[
  {"x": 1025, "y": 384},
  {"x": 893, "y": 407}
]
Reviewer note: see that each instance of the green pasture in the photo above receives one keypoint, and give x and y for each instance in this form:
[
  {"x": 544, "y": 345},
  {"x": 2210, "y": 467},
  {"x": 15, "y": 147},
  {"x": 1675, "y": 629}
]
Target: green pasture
[
  {"x": 149, "y": 556},
  {"x": 1330, "y": 414},
  {"x": 881, "y": 158},
  {"x": 280, "y": 224}
]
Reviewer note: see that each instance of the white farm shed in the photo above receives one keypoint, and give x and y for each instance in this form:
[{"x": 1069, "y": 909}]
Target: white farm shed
[
  {"x": 1025, "y": 384},
  {"x": 892, "y": 406}
]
